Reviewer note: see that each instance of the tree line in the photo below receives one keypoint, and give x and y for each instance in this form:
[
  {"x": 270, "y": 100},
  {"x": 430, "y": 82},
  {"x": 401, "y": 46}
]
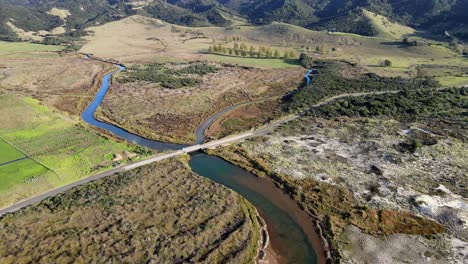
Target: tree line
[{"x": 251, "y": 51}]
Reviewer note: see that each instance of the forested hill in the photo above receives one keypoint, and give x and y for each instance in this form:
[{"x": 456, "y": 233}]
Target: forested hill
[{"x": 436, "y": 16}]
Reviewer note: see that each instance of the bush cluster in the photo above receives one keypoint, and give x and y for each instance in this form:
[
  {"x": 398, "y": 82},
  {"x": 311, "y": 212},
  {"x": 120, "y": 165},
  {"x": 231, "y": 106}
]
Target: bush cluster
[
  {"x": 408, "y": 105},
  {"x": 166, "y": 77}
]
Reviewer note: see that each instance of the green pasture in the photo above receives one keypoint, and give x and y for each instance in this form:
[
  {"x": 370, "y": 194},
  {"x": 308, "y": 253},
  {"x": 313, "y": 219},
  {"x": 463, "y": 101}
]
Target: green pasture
[
  {"x": 254, "y": 62},
  {"x": 66, "y": 149},
  {"x": 19, "y": 172},
  {"x": 8, "y": 152}
]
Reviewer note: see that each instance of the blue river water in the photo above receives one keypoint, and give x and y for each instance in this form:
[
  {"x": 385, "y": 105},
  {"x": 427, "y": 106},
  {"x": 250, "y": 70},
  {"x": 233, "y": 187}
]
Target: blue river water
[
  {"x": 307, "y": 76},
  {"x": 289, "y": 239}
]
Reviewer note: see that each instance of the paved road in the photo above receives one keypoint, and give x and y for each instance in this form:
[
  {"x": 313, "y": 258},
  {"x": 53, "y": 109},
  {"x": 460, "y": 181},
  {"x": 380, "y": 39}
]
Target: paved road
[{"x": 215, "y": 143}]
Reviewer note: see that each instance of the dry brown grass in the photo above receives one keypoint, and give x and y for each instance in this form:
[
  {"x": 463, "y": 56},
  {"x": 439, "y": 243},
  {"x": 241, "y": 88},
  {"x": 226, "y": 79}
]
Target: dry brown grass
[
  {"x": 245, "y": 118},
  {"x": 58, "y": 80},
  {"x": 174, "y": 114}
]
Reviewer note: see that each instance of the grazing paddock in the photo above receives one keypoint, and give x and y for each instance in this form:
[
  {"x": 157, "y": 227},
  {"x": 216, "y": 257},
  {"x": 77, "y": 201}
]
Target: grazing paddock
[
  {"x": 8, "y": 152},
  {"x": 61, "y": 145},
  {"x": 21, "y": 172}
]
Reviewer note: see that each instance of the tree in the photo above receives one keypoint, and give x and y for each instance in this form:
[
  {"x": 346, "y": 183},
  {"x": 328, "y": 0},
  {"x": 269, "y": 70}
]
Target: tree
[
  {"x": 305, "y": 60},
  {"x": 210, "y": 49},
  {"x": 243, "y": 47},
  {"x": 269, "y": 53},
  {"x": 230, "y": 51},
  {"x": 224, "y": 50},
  {"x": 405, "y": 41},
  {"x": 260, "y": 51},
  {"x": 324, "y": 48},
  {"x": 236, "y": 45},
  {"x": 277, "y": 54},
  {"x": 252, "y": 51},
  {"x": 387, "y": 63},
  {"x": 292, "y": 54}
]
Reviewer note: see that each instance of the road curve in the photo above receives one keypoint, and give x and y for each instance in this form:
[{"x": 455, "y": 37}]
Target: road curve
[{"x": 201, "y": 129}]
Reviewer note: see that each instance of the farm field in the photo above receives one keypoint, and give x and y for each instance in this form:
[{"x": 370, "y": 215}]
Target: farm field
[
  {"x": 64, "y": 81},
  {"x": 66, "y": 150},
  {"x": 19, "y": 172},
  {"x": 11, "y": 49},
  {"x": 8, "y": 152},
  {"x": 162, "y": 212}
]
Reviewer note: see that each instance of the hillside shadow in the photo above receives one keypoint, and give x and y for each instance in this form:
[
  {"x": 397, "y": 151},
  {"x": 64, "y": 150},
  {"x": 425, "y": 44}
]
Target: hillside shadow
[
  {"x": 292, "y": 61},
  {"x": 397, "y": 44}
]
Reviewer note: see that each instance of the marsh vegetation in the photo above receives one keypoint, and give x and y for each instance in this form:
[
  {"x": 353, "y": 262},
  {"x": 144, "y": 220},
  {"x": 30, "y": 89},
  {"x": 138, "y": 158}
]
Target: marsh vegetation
[{"x": 160, "y": 213}]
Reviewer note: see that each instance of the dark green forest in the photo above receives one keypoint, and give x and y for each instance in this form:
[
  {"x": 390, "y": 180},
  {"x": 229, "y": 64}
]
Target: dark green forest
[{"x": 407, "y": 105}]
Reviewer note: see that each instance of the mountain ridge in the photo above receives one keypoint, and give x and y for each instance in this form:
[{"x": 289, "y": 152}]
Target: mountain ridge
[{"x": 435, "y": 16}]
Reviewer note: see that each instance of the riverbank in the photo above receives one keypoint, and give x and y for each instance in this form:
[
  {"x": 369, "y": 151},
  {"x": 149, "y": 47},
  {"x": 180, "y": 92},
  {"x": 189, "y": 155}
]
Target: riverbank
[{"x": 265, "y": 253}]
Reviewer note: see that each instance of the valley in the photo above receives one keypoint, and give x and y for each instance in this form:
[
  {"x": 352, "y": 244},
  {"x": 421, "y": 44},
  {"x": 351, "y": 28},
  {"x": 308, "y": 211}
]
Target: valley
[{"x": 185, "y": 131}]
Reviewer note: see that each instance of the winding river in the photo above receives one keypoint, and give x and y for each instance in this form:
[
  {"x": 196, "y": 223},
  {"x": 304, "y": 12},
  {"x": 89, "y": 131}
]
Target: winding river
[{"x": 291, "y": 231}]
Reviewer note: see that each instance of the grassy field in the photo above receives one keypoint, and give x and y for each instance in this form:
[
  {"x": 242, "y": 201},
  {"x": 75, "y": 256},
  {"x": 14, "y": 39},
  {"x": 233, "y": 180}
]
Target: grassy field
[
  {"x": 7, "y": 48},
  {"x": 161, "y": 213},
  {"x": 452, "y": 80},
  {"x": 18, "y": 172},
  {"x": 8, "y": 152},
  {"x": 253, "y": 62},
  {"x": 172, "y": 115},
  {"x": 62, "y": 81},
  {"x": 386, "y": 28},
  {"x": 67, "y": 149}
]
